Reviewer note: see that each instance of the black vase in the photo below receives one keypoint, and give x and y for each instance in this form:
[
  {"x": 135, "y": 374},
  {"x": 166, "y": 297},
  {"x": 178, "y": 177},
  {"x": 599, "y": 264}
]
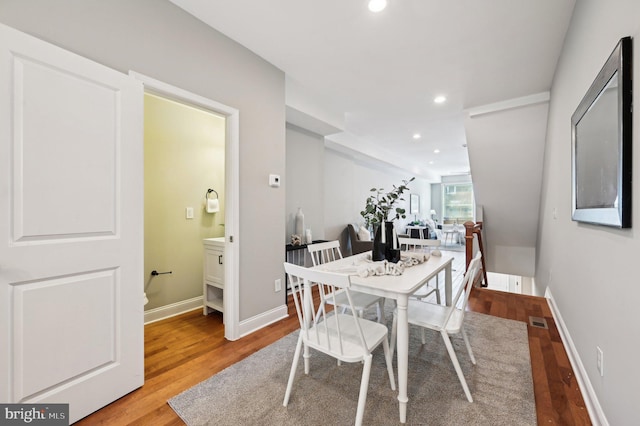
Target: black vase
[{"x": 385, "y": 250}]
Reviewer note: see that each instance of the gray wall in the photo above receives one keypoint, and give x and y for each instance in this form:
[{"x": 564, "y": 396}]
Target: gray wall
[
  {"x": 305, "y": 171},
  {"x": 155, "y": 38},
  {"x": 506, "y": 151},
  {"x": 591, "y": 271},
  {"x": 339, "y": 188}
]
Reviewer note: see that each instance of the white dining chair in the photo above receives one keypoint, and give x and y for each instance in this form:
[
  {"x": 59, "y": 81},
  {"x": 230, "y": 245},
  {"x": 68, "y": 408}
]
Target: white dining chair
[
  {"x": 330, "y": 251},
  {"x": 449, "y": 232},
  {"x": 346, "y": 337},
  {"x": 420, "y": 244},
  {"x": 447, "y": 320}
]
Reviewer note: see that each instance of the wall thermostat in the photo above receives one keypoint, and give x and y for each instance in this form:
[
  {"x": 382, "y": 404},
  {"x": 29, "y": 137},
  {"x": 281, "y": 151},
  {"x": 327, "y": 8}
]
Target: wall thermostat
[{"x": 274, "y": 181}]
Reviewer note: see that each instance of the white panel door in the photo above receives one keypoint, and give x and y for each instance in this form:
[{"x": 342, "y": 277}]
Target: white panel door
[{"x": 71, "y": 228}]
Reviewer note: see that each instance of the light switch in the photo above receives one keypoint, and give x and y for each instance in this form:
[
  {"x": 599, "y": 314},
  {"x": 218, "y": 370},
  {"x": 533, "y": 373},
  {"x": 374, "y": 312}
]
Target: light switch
[{"x": 189, "y": 212}]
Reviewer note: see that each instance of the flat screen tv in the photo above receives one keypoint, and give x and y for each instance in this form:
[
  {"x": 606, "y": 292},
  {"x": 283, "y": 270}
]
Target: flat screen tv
[{"x": 601, "y": 145}]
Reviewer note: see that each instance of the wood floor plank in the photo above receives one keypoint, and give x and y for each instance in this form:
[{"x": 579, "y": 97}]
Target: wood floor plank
[{"x": 544, "y": 406}]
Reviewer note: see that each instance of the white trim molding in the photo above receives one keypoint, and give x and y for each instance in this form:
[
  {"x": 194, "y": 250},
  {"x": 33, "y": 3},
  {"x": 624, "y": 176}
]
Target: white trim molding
[
  {"x": 262, "y": 320},
  {"x": 232, "y": 179},
  {"x": 523, "y": 101},
  {"x": 168, "y": 311},
  {"x": 588, "y": 393}
]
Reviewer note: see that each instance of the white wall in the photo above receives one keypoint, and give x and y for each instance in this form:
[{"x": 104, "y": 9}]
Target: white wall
[
  {"x": 334, "y": 195},
  {"x": 591, "y": 271},
  {"x": 348, "y": 182},
  {"x": 156, "y": 38},
  {"x": 332, "y": 186}
]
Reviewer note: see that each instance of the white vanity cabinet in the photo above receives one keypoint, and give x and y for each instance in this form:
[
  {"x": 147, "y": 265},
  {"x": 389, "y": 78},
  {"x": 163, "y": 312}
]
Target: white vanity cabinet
[{"x": 213, "y": 288}]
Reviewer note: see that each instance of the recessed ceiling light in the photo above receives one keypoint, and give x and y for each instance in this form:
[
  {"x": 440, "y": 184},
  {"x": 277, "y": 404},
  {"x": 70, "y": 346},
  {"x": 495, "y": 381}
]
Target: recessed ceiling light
[
  {"x": 439, "y": 99},
  {"x": 436, "y": 151},
  {"x": 430, "y": 162},
  {"x": 417, "y": 136},
  {"x": 377, "y": 5}
]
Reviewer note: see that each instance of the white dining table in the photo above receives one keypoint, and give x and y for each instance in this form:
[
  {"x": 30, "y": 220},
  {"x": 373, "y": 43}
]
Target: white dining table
[{"x": 399, "y": 288}]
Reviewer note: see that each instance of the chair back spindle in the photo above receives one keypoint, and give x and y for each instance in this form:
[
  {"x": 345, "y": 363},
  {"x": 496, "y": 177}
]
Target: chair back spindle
[
  {"x": 329, "y": 330},
  {"x": 465, "y": 289},
  {"x": 419, "y": 244},
  {"x": 324, "y": 252},
  {"x": 345, "y": 337},
  {"x": 446, "y": 320},
  {"x": 416, "y": 244},
  {"x": 328, "y": 252}
]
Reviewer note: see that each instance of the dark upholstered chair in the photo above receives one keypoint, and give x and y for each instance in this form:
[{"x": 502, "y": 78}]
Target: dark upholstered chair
[{"x": 358, "y": 246}]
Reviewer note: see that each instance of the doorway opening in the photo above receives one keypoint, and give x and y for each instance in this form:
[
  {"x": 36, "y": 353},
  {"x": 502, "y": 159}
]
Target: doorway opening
[
  {"x": 510, "y": 283},
  {"x": 184, "y": 159},
  {"x": 199, "y": 152}
]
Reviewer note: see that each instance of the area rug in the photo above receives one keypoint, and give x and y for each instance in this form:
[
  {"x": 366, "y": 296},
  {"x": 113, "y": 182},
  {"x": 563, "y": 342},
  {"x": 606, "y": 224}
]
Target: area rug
[{"x": 251, "y": 391}]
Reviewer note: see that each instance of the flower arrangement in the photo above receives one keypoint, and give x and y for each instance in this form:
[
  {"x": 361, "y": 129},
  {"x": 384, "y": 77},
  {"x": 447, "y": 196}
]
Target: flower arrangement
[{"x": 379, "y": 206}]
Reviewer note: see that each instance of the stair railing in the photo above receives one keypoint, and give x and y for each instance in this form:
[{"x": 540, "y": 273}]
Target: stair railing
[{"x": 474, "y": 229}]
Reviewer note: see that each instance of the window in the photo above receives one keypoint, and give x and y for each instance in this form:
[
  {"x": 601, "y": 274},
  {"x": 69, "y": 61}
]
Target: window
[{"x": 457, "y": 202}]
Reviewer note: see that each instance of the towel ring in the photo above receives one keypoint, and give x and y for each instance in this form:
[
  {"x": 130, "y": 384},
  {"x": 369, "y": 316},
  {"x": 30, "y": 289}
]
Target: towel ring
[{"x": 209, "y": 191}]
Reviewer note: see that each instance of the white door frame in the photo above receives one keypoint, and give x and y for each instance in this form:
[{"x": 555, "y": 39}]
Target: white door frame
[{"x": 232, "y": 179}]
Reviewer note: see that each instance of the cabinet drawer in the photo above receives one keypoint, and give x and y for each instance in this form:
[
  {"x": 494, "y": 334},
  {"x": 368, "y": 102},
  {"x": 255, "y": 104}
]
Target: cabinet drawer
[{"x": 214, "y": 266}]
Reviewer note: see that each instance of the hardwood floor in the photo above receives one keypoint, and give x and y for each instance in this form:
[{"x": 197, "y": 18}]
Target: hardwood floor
[
  {"x": 187, "y": 349},
  {"x": 558, "y": 397}
]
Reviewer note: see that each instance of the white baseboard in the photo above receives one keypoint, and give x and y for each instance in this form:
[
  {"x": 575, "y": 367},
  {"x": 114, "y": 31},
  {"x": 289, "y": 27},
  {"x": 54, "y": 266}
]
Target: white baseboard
[
  {"x": 168, "y": 311},
  {"x": 257, "y": 322},
  {"x": 588, "y": 393},
  {"x": 247, "y": 326}
]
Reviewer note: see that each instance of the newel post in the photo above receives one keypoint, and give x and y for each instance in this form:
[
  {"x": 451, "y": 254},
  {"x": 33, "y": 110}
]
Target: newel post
[
  {"x": 468, "y": 242},
  {"x": 472, "y": 228}
]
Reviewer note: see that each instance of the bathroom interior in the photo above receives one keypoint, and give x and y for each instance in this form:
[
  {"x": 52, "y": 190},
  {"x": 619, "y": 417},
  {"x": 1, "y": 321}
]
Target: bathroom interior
[{"x": 184, "y": 193}]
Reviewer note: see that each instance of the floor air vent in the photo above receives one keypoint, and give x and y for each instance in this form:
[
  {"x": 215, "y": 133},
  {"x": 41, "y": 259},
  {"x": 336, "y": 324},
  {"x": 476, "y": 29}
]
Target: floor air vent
[{"x": 538, "y": 322}]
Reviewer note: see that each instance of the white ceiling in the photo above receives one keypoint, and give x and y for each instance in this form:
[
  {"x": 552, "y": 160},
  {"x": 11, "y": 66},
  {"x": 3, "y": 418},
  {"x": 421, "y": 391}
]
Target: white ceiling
[{"x": 374, "y": 76}]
